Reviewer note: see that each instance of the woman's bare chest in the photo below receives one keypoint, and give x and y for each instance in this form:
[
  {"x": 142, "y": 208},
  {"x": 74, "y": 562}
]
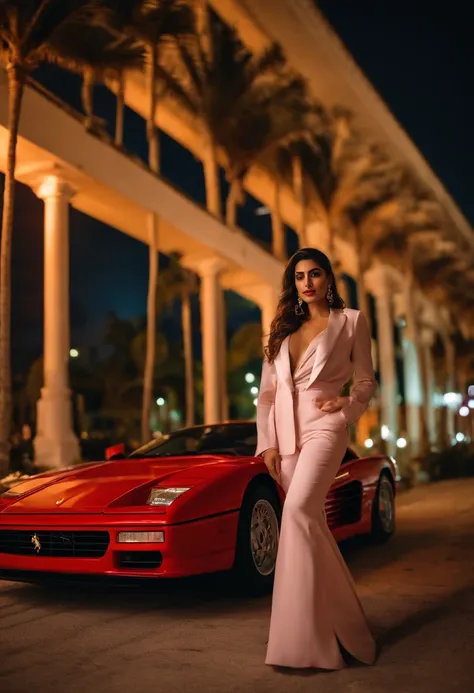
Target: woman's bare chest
[{"x": 301, "y": 341}]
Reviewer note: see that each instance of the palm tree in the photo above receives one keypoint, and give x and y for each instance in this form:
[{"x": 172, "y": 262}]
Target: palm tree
[
  {"x": 402, "y": 231},
  {"x": 245, "y": 346},
  {"x": 156, "y": 23},
  {"x": 342, "y": 177},
  {"x": 177, "y": 282},
  {"x": 103, "y": 52},
  {"x": 245, "y": 351},
  {"x": 247, "y": 105},
  {"x": 313, "y": 168},
  {"x": 359, "y": 197},
  {"x": 25, "y": 32},
  {"x": 270, "y": 121}
]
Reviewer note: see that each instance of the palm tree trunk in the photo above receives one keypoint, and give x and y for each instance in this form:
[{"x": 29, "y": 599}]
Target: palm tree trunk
[
  {"x": 211, "y": 177},
  {"x": 151, "y": 131},
  {"x": 154, "y": 164},
  {"x": 299, "y": 189},
  {"x": 87, "y": 94},
  {"x": 188, "y": 356},
  {"x": 222, "y": 322},
  {"x": 150, "y": 327},
  {"x": 119, "y": 112},
  {"x": 341, "y": 283},
  {"x": 16, "y": 82},
  {"x": 203, "y": 25},
  {"x": 231, "y": 204},
  {"x": 210, "y": 164},
  {"x": 278, "y": 230}
]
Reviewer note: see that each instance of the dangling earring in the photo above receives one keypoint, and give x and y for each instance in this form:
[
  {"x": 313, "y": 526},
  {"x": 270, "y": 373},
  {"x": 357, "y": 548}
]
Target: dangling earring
[
  {"x": 330, "y": 295},
  {"x": 299, "y": 307}
]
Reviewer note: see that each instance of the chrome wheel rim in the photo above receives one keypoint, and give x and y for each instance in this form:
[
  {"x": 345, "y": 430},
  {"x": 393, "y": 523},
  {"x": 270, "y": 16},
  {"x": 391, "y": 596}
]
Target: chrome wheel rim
[
  {"x": 386, "y": 506},
  {"x": 264, "y": 536}
]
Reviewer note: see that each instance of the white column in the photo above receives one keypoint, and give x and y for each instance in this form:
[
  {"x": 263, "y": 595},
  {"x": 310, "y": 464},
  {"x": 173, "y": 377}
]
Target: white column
[
  {"x": 412, "y": 372},
  {"x": 267, "y": 301},
  {"x": 55, "y": 442},
  {"x": 427, "y": 338},
  {"x": 211, "y": 330},
  {"x": 450, "y": 357},
  {"x": 387, "y": 370},
  {"x": 413, "y": 399}
]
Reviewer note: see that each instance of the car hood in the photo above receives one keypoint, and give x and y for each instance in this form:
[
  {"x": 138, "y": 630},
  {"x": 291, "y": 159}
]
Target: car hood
[{"x": 94, "y": 487}]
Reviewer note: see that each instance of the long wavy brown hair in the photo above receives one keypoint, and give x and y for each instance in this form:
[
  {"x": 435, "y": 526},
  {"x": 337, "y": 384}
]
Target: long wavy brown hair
[{"x": 286, "y": 320}]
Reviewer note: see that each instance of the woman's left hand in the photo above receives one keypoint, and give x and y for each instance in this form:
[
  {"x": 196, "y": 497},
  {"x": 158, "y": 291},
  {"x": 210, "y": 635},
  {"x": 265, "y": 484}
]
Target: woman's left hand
[{"x": 329, "y": 406}]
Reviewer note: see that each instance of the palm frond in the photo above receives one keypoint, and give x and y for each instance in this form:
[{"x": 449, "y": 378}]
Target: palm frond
[
  {"x": 155, "y": 20},
  {"x": 267, "y": 63},
  {"x": 175, "y": 90},
  {"x": 75, "y": 46},
  {"x": 195, "y": 70}
]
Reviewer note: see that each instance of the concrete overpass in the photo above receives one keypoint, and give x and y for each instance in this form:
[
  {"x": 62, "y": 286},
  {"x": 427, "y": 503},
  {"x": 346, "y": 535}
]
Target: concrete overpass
[{"x": 65, "y": 165}]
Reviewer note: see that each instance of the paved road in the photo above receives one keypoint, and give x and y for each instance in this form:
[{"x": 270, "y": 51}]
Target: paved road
[{"x": 196, "y": 637}]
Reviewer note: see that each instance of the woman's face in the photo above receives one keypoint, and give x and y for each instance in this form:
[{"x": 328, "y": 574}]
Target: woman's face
[{"x": 311, "y": 281}]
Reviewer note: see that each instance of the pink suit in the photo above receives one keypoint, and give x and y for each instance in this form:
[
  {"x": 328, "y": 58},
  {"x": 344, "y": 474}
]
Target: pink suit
[{"x": 315, "y": 606}]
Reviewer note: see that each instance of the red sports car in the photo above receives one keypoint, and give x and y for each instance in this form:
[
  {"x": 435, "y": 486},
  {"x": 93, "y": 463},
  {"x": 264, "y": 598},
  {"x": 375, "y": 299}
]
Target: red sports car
[{"x": 196, "y": 501}]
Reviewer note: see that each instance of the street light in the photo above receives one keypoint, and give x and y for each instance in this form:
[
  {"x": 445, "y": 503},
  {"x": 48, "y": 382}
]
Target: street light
[
  {"x": 73, "y": 353},
  {"x": 452, "y": 399},
  {"x": 160, "y": 401},
  {"x": 401, "y": 443},
  {"x": 369, "y": 443},
  {"x": 254, "y": 390},
  {"x": 464, "y": 411},
  {"x": 255, "y": 402},
  {"x": 460, "y": 437},
  {"x": 249, "y": 378}
]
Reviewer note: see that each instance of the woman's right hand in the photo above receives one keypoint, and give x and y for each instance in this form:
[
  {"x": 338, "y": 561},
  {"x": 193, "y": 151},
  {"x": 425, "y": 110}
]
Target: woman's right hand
[{"x": 272, "y": 460}]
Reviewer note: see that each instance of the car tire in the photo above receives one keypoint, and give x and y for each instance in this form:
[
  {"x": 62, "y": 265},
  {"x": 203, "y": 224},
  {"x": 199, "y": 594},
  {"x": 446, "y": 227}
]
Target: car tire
[
  {"x": 257, "y": 539},
  {"x": 383, "y": 510}
]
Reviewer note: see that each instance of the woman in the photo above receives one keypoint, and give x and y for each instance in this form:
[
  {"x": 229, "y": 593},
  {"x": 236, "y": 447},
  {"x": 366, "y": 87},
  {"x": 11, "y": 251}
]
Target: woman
[{"x": 315, "y": 346}]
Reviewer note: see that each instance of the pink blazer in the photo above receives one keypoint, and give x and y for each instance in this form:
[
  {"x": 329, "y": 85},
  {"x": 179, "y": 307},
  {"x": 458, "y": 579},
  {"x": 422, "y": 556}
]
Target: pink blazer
[{"x": 343, "y": 352}]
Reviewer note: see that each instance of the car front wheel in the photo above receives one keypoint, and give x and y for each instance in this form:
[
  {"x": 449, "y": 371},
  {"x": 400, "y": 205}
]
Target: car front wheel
[
  {"x": 257, "y": 539},
  {"x": 383, "y": 510}
]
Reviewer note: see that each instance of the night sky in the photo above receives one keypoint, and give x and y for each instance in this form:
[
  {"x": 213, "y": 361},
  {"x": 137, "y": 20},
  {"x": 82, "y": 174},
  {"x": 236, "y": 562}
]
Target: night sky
[
  {"x": 418, "y": 61},
  {"x": 418, "y": 55}
]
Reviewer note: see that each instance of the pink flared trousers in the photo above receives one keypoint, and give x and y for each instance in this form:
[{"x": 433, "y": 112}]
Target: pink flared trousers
[{"x": 315, "y": 606}]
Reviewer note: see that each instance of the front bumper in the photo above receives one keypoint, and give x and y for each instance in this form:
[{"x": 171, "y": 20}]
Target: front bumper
[{"x": 202, "y": 546}]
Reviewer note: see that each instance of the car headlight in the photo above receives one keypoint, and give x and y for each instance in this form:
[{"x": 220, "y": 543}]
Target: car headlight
[{"x": 165, "y": 496}]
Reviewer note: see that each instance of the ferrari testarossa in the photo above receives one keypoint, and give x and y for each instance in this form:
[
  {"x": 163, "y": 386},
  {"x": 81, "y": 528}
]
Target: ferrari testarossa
[{"x": 196, "y": 501}]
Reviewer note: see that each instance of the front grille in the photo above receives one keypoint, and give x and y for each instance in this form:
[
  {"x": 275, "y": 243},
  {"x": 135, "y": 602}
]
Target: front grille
[
  {"x": 344, "y": 505},
  {"x": 57, "y": 544},
  {"x": 140, "y": 560}
]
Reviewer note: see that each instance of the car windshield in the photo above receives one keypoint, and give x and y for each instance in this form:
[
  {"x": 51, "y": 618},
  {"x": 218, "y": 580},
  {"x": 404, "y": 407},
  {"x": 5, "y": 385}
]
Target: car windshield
[{"x": 238, "y": 439}]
